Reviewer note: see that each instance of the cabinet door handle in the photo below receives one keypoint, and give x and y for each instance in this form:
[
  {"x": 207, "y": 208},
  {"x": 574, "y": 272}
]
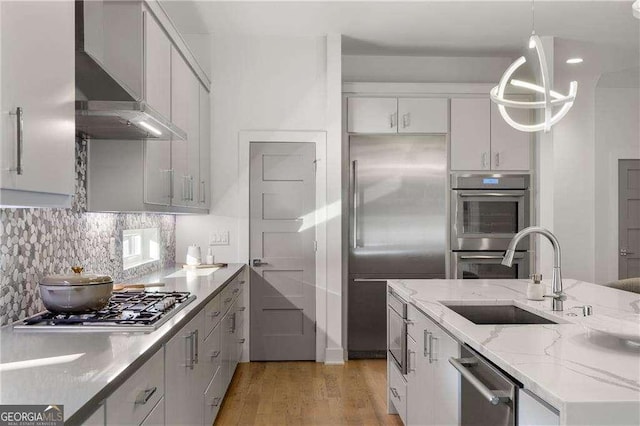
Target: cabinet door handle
[
  {"x": 427, "y": 335},
  {"x": 484, "y": 160},
  {"x": 195, "y": 344},
  {"x": 228, "y": 299},
  {"x": 215, "y": 401},
  {"x": 215, "y": 354},
  {"x": 410, "y": 365},
  {"x": 497, "y": 159},
  {"x": 241, "y": 282},
  {"x": 433, "y": 355},
  {"x": 391, "y": 121},
  {"x": 242, "y": 309},
  {"x": 189, "y": 349},
  {"x": 240, "y": 340},
  {"x": 406, "y": 120},
  {"x": 19, "y": 139},
  {"x": 202, "y": 193},
  {"x": 144, "y": 396},
  {"x": 236, "y": 290},
  {"x": 191, "y": 186},
  {"x": 394, "y": 392}
]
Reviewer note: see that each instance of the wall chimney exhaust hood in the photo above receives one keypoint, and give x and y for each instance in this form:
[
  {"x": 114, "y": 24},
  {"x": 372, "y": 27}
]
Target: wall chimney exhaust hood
[{"x": 109, "y": 74}]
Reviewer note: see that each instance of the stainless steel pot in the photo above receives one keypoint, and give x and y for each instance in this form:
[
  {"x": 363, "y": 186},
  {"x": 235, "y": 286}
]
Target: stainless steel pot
[{"x": 76, "y": 293}]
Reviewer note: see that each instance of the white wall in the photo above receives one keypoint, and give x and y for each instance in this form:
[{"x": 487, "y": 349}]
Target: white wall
[
  {"x": 271, "y": 83},
  {"x": 422, "y": 69},
  {"x": 577, "y": 163},
  {"x": 617, "y": 137}
]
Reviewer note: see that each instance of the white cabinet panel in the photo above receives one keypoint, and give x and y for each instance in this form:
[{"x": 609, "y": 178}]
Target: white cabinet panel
[
  {"x": 157, "y": 49},
  {"x": 532, "y": 412},
  {"x": 97, "y": 418},
  {"x": 470, "y": 134},
  {"x": 180, "y": 86},
  {"x": 135, "y": 399},
  {"x": 157, "y": 172},
  {"x": 213, "y": 398},
  {"x": 372, "y": 115},
  {"x": 423, "y": 115},
  {"x": 204, "y": 185},
  {"x": 156, "y": 416},
  {"x": 397, "y": 391},
  {"x": 193, "y": 139},
  {"x": 446, "y": 380},
  {"x": 37, "y": 77},
  {"x": 419, "y": 389},
  {"x": 510, "y": 148},
  {"x": 183, "y": 370}
]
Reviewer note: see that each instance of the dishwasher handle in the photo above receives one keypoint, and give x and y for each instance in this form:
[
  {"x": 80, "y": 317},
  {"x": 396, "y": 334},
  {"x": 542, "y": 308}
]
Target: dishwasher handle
[{"x": 494, "y": 397}]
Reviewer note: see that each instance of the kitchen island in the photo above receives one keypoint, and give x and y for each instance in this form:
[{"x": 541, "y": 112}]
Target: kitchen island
[
  {"x": 584, "y": 376},
  {"x": 83, "y": 369}
]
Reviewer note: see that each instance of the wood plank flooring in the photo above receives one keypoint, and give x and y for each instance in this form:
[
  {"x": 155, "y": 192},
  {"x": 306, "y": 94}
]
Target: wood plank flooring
[{"x": 308, "y": 393}]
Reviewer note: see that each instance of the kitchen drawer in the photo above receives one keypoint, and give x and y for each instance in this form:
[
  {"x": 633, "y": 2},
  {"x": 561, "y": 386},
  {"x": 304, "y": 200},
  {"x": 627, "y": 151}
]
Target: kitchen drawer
[
  {"x": 212, "y": 353},
  {"x": 230, "y": 292},
  {"x": 416, "y": 323},
  {"x": 213, "y": 398},
  {"x": 213, "y": 314},
  {"x": 135, "y": 399},
  {"x": 156, "y": 416},
  {"x": 398, "y": 391}
]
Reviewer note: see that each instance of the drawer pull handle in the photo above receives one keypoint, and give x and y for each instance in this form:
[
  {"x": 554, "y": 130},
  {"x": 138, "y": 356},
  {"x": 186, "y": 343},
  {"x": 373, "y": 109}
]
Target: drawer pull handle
[
  {"x": 236, "y": 290},
  {"x": 240, "y": 340},
  {"x": 215, "y": 402},
  {"x": 228, "y": 299},
  {"x": 394, "y": 392},
  {"x": 145, "y": 395},
  {"x": 215, "y": 354},
  {"x": 214, "y": 314},
  {"x": 241, "y": 282},
  {"x": 242, "y": 309}
]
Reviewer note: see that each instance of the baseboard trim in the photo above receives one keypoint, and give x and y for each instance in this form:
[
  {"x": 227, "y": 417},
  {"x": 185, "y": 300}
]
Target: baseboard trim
[{"x": 334, "y": 356}]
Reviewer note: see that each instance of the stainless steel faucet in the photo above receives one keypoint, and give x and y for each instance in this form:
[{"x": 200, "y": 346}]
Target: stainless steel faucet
[{"x": 556, "y": 278}]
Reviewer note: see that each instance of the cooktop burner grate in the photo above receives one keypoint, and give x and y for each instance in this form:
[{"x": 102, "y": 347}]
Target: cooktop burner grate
[{"x": 126, "y": 311}]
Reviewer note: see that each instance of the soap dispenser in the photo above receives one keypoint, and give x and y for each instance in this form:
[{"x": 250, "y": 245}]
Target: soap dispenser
[{"x": 535, "y": 289}]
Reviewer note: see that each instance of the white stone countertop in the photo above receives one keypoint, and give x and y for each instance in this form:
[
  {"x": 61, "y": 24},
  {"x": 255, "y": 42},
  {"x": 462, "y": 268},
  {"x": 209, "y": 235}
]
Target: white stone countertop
[
  {"x": 590, "y": 377},
  {"x": 91, "y": 365}
]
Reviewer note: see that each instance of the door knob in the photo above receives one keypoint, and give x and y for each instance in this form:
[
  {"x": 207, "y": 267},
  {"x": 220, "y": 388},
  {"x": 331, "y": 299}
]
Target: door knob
[{"x": 258, "y": 262}]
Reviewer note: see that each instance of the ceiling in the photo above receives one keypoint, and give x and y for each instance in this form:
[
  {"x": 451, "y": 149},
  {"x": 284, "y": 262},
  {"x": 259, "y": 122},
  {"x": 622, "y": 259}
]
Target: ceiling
[{"x": 429, "y": 28}]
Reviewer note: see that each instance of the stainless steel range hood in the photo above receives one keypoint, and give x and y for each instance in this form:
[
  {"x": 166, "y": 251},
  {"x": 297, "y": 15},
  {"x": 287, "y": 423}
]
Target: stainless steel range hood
[{"x": 109, "y": 75}]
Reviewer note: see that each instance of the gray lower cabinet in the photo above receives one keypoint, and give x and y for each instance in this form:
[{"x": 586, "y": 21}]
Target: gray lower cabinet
[{"x": 184, "y": 372}]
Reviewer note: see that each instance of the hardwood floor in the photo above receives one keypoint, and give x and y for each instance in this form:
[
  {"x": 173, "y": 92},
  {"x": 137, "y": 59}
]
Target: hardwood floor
[{"x": 308, "y": 393}]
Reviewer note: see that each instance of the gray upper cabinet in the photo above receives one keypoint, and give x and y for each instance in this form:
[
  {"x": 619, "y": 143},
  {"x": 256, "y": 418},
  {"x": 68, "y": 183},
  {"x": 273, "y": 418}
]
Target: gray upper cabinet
[
  {"x": 165, "y": 174},
  {"x": 37, "y": 130},
  {"x": 204, "y": 186},
  {"x": 157, "y": 66}
]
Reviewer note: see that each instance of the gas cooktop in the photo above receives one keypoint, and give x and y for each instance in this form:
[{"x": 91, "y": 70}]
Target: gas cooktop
[{"x": 127, "y": 311}]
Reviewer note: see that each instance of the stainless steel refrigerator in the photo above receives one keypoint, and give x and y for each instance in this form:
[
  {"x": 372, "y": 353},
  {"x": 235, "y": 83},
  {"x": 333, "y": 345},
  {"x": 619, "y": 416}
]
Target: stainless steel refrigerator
[{"x": 397, "y": 226}]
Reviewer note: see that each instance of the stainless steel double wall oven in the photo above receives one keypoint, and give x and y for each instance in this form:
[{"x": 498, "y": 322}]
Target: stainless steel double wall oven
[{"x": 486, "y": 212}]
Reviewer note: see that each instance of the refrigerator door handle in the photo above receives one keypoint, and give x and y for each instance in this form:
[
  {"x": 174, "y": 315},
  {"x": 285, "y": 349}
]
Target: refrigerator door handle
[{"x": 354, "y": 170}]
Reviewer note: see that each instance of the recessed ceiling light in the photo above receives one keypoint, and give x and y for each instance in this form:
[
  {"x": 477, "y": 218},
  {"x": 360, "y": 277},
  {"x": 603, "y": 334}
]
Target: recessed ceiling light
[{"x": 574, "y": 61}]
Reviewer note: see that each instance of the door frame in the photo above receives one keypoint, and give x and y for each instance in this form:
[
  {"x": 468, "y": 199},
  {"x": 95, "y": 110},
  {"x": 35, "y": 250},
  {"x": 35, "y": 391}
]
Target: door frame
[{"x": 319, "y": 138}]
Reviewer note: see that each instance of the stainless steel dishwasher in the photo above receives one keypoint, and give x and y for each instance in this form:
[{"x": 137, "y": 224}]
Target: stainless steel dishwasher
[{"x": 488, "y": 396}]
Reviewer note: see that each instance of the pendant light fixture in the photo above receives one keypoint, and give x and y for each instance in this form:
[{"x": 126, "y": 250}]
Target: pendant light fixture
[{"x": 550, "y": 99}]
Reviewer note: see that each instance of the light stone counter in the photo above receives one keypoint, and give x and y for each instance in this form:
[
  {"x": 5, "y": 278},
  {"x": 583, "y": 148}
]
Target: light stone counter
[
  {"x": 590, "y": 377},
  {"x": 80, "y": 369}
]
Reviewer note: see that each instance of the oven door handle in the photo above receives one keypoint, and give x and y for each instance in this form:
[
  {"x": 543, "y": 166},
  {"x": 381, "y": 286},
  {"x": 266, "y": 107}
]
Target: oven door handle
[
  {"x": 491, "y": 194},
  {"x": 490, "y": 257},
  {"x": 494, "y": 397}
]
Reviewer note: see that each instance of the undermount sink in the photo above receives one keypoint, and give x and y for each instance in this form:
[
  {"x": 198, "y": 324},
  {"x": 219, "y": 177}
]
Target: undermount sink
[{"x": 498, "y": 314}]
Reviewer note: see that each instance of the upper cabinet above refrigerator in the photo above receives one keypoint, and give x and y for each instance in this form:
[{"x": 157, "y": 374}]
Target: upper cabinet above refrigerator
[
  {"x": 390, "y": 115},
  {"x": 37, "y": 157}
]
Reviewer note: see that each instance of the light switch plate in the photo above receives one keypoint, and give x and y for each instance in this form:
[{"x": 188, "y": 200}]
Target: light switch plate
[{"x": 219, "y": 238}]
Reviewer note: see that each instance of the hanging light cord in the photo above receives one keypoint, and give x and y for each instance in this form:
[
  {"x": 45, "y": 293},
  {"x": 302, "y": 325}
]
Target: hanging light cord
[{"x": 533, "y": 17}]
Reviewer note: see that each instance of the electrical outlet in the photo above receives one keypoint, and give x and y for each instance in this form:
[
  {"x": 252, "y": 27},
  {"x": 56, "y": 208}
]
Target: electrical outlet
[{"x": 219, "y": 238}]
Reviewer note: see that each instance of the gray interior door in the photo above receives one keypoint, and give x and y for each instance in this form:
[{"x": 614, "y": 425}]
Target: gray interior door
[
  {"x": 282, "y": 251},
  {"x": 629, "y": 218}
]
